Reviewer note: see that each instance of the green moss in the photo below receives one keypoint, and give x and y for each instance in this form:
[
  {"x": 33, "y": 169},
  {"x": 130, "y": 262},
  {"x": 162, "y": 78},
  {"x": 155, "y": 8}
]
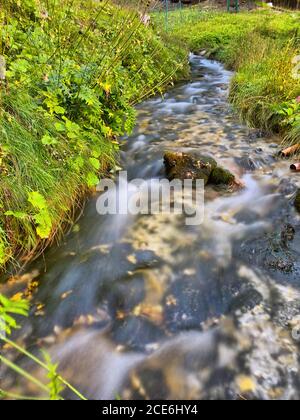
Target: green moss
[
  {"x": 221, "y": 176},
  {"x": 187, "y": 166}
]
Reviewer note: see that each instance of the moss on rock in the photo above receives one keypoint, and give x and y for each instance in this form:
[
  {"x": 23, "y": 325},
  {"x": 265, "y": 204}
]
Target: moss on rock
[
  {"x": 221, "y": 176},
  {"x": 187, "y": 166}
]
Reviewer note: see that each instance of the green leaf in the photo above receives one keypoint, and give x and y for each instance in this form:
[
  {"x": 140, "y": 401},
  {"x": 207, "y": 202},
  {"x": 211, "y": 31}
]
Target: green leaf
[
  {"x": 55, "y": 385},
  {"x": 60, "y": 127},
  {"x": 16, "y": 214},
  {"x": 37, "y": 200},
  {"x": 72, "y": 135},
  {"x": 59, "y": 110},
  {"x": 8, "y": 307},
  {"x": 48, "y": 140},
  {"x": 43, "y": 220},
  {"x": 92, "y": 180},
  {"x": 78, "y": 163},
  {"x": 95, "y": 163}
]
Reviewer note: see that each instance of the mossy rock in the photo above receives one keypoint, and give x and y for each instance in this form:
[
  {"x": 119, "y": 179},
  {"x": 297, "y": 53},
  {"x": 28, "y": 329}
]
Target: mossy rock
[
  {"x": 221, "y": 176},
  {"x": 297, "y": 201},
  {"x": 187, "y": 166}
]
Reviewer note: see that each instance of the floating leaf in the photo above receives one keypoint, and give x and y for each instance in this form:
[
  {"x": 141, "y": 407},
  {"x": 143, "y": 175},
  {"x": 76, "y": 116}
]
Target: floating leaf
[{"x": 245, "y": 384}]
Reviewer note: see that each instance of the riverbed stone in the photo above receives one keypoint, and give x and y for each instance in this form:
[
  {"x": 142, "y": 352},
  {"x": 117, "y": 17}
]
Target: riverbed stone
[
  {"x": 136, "y": 332},
  {"x": 124, "y": 295},
  {"x": 187, "y": 166},
  {"x": 221, "y": 176}
]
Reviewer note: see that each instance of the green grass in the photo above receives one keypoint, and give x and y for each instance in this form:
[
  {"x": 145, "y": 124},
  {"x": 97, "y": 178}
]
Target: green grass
[
  {"x": 259, "y": 46},
  {"x": 73, "y": 75}
]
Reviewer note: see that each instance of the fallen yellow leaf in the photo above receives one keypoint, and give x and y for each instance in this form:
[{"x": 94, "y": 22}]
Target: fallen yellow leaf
[
  {"x": 245, "y": 384},
  {"x": 17, "y": 297}
]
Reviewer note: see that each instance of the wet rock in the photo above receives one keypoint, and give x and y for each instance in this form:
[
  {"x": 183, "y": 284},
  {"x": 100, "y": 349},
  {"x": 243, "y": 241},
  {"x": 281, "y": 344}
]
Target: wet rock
[
  {"x": 278, "y": 253},
  {"x": 123, "y": 296},
  {"x": 247, "y": 163},
  {"x": 286, "y": 187},
  {"x": 287, "y": 234},
  {"x": 185, "y": 166},
  {"x": 220, "y": 176},
  {"x": 285, "y": 264},
  {"x": 297, "y": 201},
  {"x": 136, "y": 332},
  {"x": 146, "y": 383},
  {"x": 245, "y": 301},
  {"x": 147, "y": 259},
  {"x": 189, "y": 308},
  {"x": 191, "y": 301},
  {"x": 257, "y": 134}
]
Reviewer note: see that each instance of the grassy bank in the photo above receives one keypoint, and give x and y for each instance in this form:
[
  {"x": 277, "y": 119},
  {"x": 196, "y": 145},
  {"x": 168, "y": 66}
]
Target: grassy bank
[
  {"x": 70, "y": 75},
  {"x": 260, "y": 46}
]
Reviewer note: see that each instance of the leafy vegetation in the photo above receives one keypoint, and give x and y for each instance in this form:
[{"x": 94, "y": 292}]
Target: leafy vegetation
[
  {"x": 70, "y": 75},
  {"x": 52, "y": 390},
  {"x": 9, "y": 308},
  {"x": 262, "y": 47}
]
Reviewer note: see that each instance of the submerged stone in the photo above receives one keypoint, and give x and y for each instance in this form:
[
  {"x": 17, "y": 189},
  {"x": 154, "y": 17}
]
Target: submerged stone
[
  {"x": 136, "y": 332},
  {"x": 124, "y": 295}
]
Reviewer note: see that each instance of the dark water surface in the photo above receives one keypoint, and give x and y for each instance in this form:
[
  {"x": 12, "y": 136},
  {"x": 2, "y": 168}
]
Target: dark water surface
[{"x": 147, "y": 307}]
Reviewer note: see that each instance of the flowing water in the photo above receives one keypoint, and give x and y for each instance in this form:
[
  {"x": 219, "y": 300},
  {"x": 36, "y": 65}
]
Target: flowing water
[{"x": 147, "y": 307}]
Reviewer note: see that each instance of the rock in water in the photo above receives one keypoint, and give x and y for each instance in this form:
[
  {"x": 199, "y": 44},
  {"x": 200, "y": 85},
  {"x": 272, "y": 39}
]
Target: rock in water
[
  {"x": 186, "y": 166},
  {"x": 221, "y": 176},
  {"x": 297, "y": 201}
]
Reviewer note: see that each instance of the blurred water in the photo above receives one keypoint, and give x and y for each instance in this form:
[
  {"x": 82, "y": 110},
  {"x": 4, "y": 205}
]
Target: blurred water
[{"x": 146, "y": 307}]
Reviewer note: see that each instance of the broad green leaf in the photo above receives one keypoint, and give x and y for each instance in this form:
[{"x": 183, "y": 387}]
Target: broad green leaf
[
  {"x": 92, "y": 180},
  {"x": 17, "y": 214},
  {"x": 95, "y": 163},
  {"x": 48, "y": 140},
  {"x": 37, "y": 200}
]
